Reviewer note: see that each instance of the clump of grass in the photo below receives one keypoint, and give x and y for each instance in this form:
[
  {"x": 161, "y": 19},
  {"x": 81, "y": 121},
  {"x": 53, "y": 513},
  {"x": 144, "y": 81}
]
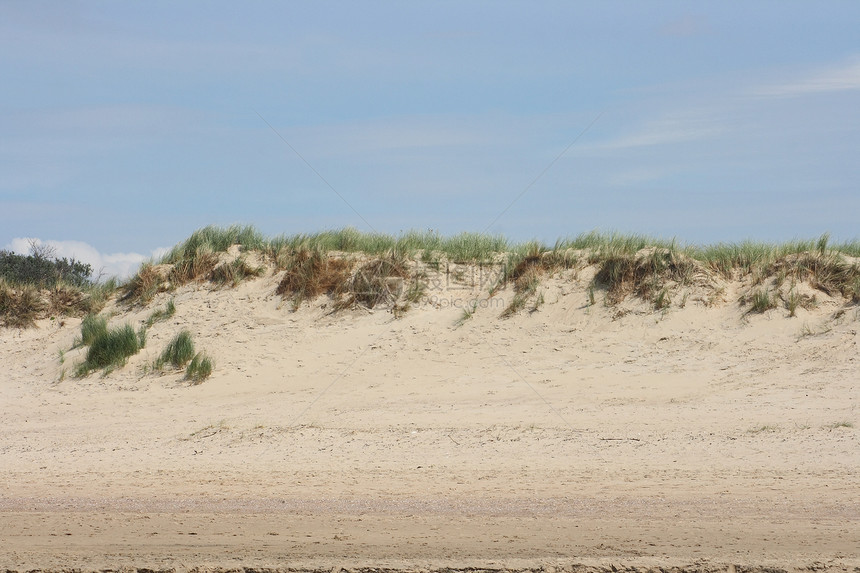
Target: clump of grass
[
  {"x": 92, "y": 327},
  {"x": 20, "y": 306},
  {"x": 111, "y": 348},
  {"x": 234, "y": 272},
  {"x": 65, "y": 299},
  {"x": 647, "y": 275},
  {"x": 526, "y": 284},
  {"x": 199, "y": 369},
  {"x": 842, "y": 424},
  {"x": 193, "y": 266},
  {"x": 527, "y": 267},
  {"x": 538, "y": 302},
  {"x": 600, "y": 246},
  {"x": 413, "y": 294},
  {"x": 760, "y": 300},
  {"x": 828, "y": 272},
  {"x": 178, "y": 352},
  {"x": 311, "y": 273},
  {"x": 464, "y": 247},
  {"x": 379, "y": 281},
  {"x": 144, "y": 285},
  {"x": 794, "y": 299},
  {"x": 213, "y": 239},
  {"x": 468, "y": 313},
  {"x": 162, "y": 313},
  {"x": 473, "y": 247}
]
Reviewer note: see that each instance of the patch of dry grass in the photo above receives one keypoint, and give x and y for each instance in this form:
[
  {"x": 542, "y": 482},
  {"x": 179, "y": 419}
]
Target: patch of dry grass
[
  {"x": 144, "y": 285},
  {"x": 380, "y": 281},
  {"x": 311, "y": 273},
  {"x": 647, "y": 274},
  {"x": 20, "y": 306}
]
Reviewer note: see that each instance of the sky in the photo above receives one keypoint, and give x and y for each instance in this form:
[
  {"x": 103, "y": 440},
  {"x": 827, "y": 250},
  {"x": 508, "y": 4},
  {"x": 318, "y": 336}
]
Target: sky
[{"x": 125, "y": 126}]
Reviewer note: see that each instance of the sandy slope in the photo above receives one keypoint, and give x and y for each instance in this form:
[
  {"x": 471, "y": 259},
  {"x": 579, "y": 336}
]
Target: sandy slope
[{"x": 573, "y": 434}]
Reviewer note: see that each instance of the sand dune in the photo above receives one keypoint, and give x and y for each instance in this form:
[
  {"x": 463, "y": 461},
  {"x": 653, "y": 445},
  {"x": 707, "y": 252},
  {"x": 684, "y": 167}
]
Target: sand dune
[{"x": 570, "y": 437}]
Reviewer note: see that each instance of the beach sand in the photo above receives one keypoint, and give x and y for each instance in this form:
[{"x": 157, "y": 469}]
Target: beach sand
[{"x": 577, "y": 437}]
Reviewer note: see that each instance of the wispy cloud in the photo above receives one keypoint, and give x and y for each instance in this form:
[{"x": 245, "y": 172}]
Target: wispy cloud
[
  {"x": 104, "y": 265},
  {"x": 663, "y": 132},
  {"x": 844, "y": 77}
]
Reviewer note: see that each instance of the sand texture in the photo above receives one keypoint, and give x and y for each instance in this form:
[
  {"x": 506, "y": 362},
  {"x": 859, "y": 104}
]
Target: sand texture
[{"x": 575, "y": 437}]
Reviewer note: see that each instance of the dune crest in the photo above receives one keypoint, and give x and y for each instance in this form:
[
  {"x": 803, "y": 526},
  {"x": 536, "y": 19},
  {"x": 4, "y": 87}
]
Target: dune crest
[{"x": 432, "y": 426}]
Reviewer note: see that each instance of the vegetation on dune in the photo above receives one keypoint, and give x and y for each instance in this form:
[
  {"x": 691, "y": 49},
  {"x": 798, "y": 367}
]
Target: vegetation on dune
[
  {"x": 162, "y": 313},
  {"x": 310, "y": 272},
  {"x": 646, "y": 275},
  {"x": 379, "y": 281},
  {"x": 178, "y": 352},
  {"x": 40, "y": 285},
  {"x": 199, "y": 369},
  {"x": 232, "y": 273},
  {"x": 213, "y": 239},
  {"x": 92, "y": 327},
  {"x": 42, "y": 268},
  {"x": 20, "y": 305},
  {"x": 373, "y": 269},
  {"x": 109, "y": 349},
  {"x": 430, "y": 245}
]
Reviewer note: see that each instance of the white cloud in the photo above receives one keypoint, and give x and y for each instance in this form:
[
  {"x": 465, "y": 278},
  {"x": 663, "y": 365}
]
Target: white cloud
[
  {"x": 121, "y": 265},
  {"x": 844, "y": 77}
]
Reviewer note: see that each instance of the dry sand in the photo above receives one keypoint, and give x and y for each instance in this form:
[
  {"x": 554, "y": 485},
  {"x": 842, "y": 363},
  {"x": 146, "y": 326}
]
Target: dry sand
[{"x": 575, "y": 437}]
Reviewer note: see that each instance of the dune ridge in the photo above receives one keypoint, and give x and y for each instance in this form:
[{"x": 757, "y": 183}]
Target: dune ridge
[{"x": 673, "y": 422}]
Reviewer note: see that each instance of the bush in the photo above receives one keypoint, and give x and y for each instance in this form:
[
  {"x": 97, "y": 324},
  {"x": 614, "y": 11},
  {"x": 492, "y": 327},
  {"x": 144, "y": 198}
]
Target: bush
[{"x": 40, "y": 270}]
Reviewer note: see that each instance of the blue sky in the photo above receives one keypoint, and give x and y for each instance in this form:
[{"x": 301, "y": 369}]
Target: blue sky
[{"x": 124, "y": 126}]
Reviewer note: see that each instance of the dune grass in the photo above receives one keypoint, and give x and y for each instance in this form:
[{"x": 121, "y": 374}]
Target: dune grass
[
  {"x": 161, "y": 314},
  {"x": 199, "y": 368},
  {"x": 92, "y": 327},
  {"x": 311, "y": 273},
  {"x": 41, "y": 285},
  {"x": 178, "y": 352},
  {"x": 144, "y": 285},
  {"x": 213, "y": 239},
  {"x": 20, "y": 305},
  {"x": 334, "y": 262},
  {"x": 111, "y": 348},
  {"x": 377, "y": 282},
  {"x": 234, "y": 272},
  {"x": 463, "y": 247}
]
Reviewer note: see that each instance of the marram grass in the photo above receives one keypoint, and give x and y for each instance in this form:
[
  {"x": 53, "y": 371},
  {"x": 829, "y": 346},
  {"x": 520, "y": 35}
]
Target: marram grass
[
  {"x": 625, "y": 265},
  {"x": 178, "y": 352},
  {"x": 111, "y": 348}
]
